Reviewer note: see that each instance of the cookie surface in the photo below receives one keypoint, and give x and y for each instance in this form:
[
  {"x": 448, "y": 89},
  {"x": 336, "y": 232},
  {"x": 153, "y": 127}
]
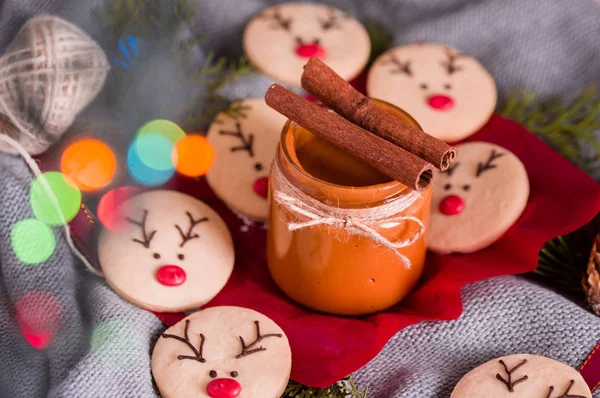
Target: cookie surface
[
  {"x": 218, "y": 365},
  {"x": 451, "y": 95},
  {"x": 281, "y": 39},
  {"x": 170, "y": 252},
  {"x": 244, "y": 149},
  {"x": 531, "y": 376},
  {"x": 477, "y": 199}
]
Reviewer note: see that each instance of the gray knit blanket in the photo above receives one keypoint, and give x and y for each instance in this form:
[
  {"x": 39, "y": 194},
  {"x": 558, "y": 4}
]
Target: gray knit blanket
[{"x": 550, "y": 46}]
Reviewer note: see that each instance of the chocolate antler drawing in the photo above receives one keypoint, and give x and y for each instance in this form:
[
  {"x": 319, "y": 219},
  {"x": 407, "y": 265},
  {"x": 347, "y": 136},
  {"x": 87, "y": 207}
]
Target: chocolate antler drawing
[
  {"x": 246, "y": 349},
  {"x": 331, "y": 21},
  {"x": 450, "y": 169},
  {"x": 450, "y": 63},
  {"x": 509, "y": 383},
  {"x": 566, "y": 393},
  {"x": 188, "y": 235},
  {"x": 142, "y": 224},
  {"x": 401, "y": 67},
  {"x": 280, "y": 21},
  {"x": 197, "y": 352},
  {"x": 247, "y": 143},
  {"x": 488, "y": 165}
]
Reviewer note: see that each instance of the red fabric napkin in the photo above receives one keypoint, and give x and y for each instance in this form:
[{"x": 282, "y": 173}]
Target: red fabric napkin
[{"x": 327, "y": 348}]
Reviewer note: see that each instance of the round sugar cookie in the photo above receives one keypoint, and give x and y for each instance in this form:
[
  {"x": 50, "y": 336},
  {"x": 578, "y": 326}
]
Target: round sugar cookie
[
  {"x": 222, "y": 352},
  {"x": 522, "y": 376},
  {"x": 281, "y": 39},
  {"x": 244, "y": 149},
  {"x": 450, "y": 94},
  {"x": 169, "y": 252},
  {"x": 477, "y": 199}
]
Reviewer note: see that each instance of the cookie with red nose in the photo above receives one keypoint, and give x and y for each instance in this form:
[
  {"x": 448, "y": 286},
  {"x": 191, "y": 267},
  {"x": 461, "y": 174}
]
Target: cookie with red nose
[
  {"x": 170, "y": 252},
  {"x": 280, "y": 39},
  {"x": 477, "y": 199},
  {"x": 244, "y": 146},
  {"x": 222, "y": 352},
  {"x": 450, "y": 94}
]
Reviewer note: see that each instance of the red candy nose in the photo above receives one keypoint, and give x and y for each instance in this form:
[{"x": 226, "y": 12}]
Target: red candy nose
[
  {"x": 441, "y": 102},
  {"x": 310, "y": 50},
  {"x": 223, "y": 388},
  {"x": 452, "y": 205},
  {"x": 261, "y": 187},
  {"x": 170, "y": 275}
]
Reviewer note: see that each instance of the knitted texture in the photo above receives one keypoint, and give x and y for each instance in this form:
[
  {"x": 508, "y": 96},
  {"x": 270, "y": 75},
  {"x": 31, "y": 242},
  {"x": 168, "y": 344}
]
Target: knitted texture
[
  {"x": 102, "y": 345},
  {"x": 48, "y": 74}
]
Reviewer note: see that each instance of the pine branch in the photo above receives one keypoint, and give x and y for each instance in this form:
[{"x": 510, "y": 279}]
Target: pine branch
[
  {"x": 216, "y": 73},
  {"x": 344, "y": 388},
  {"x": 380, "y": 37},
  {"x": 154, "y": 20},
  {"x": 571, "y": 128}
]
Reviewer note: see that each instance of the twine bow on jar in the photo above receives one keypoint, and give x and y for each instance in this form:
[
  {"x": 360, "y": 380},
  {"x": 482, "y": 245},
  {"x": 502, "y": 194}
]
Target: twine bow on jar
[{"x": 361, "y": 222}]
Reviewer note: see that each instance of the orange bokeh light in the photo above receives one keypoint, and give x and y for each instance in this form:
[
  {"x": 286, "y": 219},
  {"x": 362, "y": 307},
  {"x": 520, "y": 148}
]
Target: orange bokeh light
[
  {"x": 90, "y": 163},
  {"x": 193, "y": 156}
]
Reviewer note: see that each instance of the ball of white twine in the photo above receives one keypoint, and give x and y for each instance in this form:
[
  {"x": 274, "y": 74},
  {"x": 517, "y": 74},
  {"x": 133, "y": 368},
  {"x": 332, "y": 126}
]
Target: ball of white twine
[
  {"x": 361, "y": 222},
  {"x": 49, "y": 73}
]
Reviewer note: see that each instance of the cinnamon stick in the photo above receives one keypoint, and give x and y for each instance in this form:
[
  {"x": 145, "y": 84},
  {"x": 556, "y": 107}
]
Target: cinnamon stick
[
  {"x": 329, "y": 87},
  {"x": 378, "y": 153}
]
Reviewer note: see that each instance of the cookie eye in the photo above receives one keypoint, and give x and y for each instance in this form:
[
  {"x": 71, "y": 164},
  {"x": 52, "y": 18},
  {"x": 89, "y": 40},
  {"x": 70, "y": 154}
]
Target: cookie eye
[
  {"x": 181, "y": 257},
  {"x": 466, "y": 187},
  {"x": 447, "y": 86},
  {"x": 424, "y": 86},
  {"x": 212, "y": 374},
  {"x": 156, "y": 256},
  {"x": 258, "y": 166},
  {"x": 233, "y": 374},
  {"x": 447, "y": 187}
]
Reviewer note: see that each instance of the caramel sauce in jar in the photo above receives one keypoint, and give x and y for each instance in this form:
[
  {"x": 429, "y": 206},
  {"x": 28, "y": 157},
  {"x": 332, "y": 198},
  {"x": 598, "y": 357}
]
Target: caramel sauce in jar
[{"x": 328, "y": 269}]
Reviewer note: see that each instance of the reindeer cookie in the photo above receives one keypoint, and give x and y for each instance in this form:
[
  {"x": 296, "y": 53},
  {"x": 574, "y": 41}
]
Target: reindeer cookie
[
  {"x": 522, "y": 376},
  {"x": 477, "y": 199},
  {"x": 244, "y": 149},
  {"x": 450, "y": 94},
  {"x": 169, "y": 252},
  {"x": 222, "y": 352},
  {"x": 280, "y": 40}
]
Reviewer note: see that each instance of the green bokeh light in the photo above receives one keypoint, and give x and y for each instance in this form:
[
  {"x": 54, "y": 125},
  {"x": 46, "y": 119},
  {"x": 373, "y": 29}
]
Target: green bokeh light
[
  {"x": 32, "y": 241},
  {"x": 163, "y": 127},
  {"x": 67, "y": 195}
]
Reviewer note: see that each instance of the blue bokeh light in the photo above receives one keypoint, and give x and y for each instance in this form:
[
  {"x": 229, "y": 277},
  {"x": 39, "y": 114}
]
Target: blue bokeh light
[{"x": 143, "y": 173}]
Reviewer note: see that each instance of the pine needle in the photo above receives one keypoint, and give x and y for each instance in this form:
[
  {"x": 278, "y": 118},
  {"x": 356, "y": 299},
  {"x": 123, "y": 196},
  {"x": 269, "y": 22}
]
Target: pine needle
[
  {"x": 571, "y": 128},
  {"x": 345, "y": 388}
]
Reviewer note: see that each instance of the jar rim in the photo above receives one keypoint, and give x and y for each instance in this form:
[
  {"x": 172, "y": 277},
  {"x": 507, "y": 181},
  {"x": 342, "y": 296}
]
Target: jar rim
[{"x": 397, "y": 187}]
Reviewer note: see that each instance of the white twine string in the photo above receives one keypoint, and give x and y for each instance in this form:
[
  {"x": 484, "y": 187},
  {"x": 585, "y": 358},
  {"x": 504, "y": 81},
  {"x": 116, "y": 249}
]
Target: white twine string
[
  {"x": 38, "y": 173},
  {"x": 361, "y": 222}
]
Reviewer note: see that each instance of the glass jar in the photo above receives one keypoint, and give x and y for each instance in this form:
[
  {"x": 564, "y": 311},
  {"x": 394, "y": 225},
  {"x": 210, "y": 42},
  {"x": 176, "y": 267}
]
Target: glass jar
[{"x": 327, "y": 268}]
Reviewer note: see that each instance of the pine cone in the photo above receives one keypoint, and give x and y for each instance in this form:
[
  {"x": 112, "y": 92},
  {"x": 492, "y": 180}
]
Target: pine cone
[{"x": 591, "y": 284}]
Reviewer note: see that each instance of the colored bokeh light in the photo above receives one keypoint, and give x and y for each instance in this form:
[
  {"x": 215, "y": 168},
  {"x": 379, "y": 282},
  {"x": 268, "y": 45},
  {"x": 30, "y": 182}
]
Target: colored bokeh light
[
  {"x": 65, "y": 193},
  {"x": 108, "y": 207},
  {"x": 166, "y": 128},
  {"x": 89, "y": 163},
  {"x": 142, "y": 173},
  {"x": 193, "y": 156},
  {"x": 39, "y": 317},
  {"x": 154, "y": 150},
  {"x": 155, "y": 141},
  {"x": 32, "y": 241},
  {"x": 114, "y": 341}
]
